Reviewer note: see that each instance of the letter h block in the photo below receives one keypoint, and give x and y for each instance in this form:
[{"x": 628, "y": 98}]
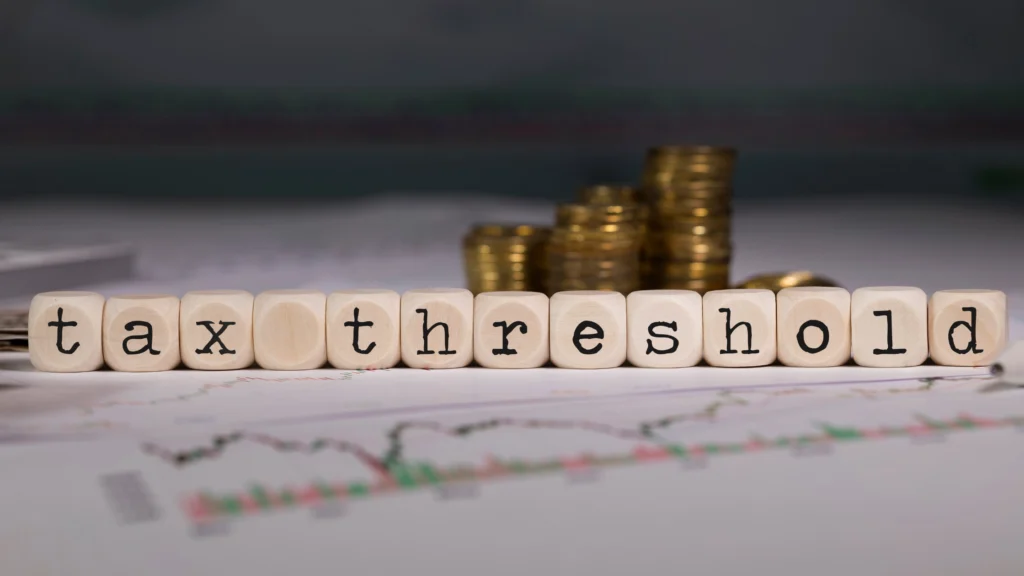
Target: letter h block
[
  {"x": 739, "y": 328},
  {"x": 437, "y": 328},
  {"x": 140, "y": 333},
  {"x": 967, "y": 327},
  {"x": 588, "y": 329}
]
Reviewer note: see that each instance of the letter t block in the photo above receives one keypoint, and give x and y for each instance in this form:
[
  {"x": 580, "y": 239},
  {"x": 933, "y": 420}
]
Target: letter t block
[
  {"x": 437, "y": 328},
  {"x": 739, "y": 328},
  {"x": 65, "y": 331},
  {"x": 362, "y": 329}
]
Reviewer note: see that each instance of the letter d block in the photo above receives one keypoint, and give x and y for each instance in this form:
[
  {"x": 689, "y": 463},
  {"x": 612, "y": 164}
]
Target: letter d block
[
  {"x": 813, "y": 326},
  {"x": 967, "y": 327},
  {"x": 511, "y": 329},
  {"x": 665, "y": 328},
  {"x": 739, "y": 328},
  {"x": 289, "y": 329},
  {"x": 363, "y": 329},
  {"x": 889, "y": 326},
  {"x": 588, "y": 329},
  {"x": 216, "y": 330},
  {"x": 65, "y": 331},
  {"x": 437, "y": 328},
  {"x": 140, "y": 333}
]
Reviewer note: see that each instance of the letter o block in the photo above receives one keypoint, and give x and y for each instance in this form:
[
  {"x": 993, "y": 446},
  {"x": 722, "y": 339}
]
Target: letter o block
[
  {"x": 140, "y": 333},
  {"x": 437, "y": 328},
  {"x": 588, "y": 329},
  {"x": 511, "y": 329},
  {"x": 665, "y": 328},
  {"x": 289, "y": 330},
  {"x": 889, "y": 326},
  {"x": 65, "y": 331},
  {"x": 216, "y": 330},
  {"x": 739, "y": 328},
  {"x": 363, "y": 329},
  {"x": 813, "y": 326},
  {"x": 967, "y": 327}
]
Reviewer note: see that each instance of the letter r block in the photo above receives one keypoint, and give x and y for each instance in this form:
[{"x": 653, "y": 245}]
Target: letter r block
[
  {"x": 588, "y": 329},
  {"x": 216, "y": 330},
  {"x": 140, "y": 333},
  {"x": 363, "y": 329},
  {"x": 65, "y": 331},
  {"x": 813, "y": 326},
  {"x": 511, "y": 329},
  {"x": 739, "y": 328},
  {"x": 967, "y": 327},
  {"x": 665, "y": 328},
  {"x": 437, "y": 328}
]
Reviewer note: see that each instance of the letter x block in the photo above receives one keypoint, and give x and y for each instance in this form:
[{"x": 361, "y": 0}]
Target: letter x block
[
  {"x": 511, "y": 329},
  {"x": 216, "y": 330},
  {"x": 588, "y": 329},
  {"x": 813, "y": 326},
  {"x": 666, "y": 328},
  {"x": 437, "y": 328},
  {"x": 65, "y": 331},
  {"x": 289, "y": 329},
  {"x": 362, "y": 329},
  {"x": 739, "y": 328},
  {"x": 967, "y": 327},
  {"x": 140, "y": 333}
]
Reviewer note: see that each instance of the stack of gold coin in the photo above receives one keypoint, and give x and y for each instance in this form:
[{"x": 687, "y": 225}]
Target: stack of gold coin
[
  {"x": 688, "y": 244},
  {"x": 594, "y": 247},
  {"x": 505, "y": 257}
]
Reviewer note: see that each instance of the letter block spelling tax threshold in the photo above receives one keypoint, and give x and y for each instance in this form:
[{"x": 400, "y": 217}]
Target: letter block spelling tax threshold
[
  {"x": 511, "y": 329},
  {"x": 216, "y": 330},
  {"x": 967, "y": 327},
  {"x": 813, "y": 326},
  {"x": 588, "y": 329},
  {"x": 363, "y": 329},
  {"x": 437, "y": 328},
  {"x": 289, "y": 330},
  {"x": 140, "y": 333},
  {"x": 889, "y": 326},
  {"x": 739, "y": 328},
  {"x": 65, "y": 331},
  {"x": 665, "y": 328}
]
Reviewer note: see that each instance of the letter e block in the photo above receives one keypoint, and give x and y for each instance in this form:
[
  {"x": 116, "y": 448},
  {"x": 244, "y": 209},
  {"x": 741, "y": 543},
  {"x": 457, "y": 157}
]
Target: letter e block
[
  {"x": 437, "y": 328},
  {"x": 588, "y": 329},
  {"x": 216, "y": 330},
  {"x": 813, "y": 326},
  {"x": 967, "y": 327},
  {"x": 65, "y": 331},
  {"x": 140, "y": 333},
  {"x": 665, "y": 328},
  {"x": 739, "y": 328},
  {"x": 363, "y": 329},
  {"x": 289, "y": 330},
  {"x": 889, "y": 326},
  {"x": 511, "y": 329}
]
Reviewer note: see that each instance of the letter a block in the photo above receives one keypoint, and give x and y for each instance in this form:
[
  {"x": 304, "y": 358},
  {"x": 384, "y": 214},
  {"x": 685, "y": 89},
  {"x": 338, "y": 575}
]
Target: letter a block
[
  {"x": 967, "y": 327},
  {"x": 437, "y": 328},
  {"x": 140, "y": 333},
  {"x": 363, "y": 329},
  {"x": 889, "y": 326},
  {"x": 511, "y": 329},
  {"x": 216, "y": 330},
  {"x": 65, "y": 331},
  {"x": 665, "y": 328},
  {"x": 588, "y": 329},
  {"x": 739, "y": 328},
  {"x": 289, "y": 329},
  {"x": 813, "y": 326}
]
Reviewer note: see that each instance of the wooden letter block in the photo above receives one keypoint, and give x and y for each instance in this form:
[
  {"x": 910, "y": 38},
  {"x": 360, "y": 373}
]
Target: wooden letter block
[
  {"x": 511, "y": 329},
  {"x": 437, "y": 328},
  {"x": 363, "y": 329},
  {"x": 289, "y": 329},
  {"x": 889, "y": 326},
  {"x": 813, "y": 326},
  {"x": 739, "y": 328},
  {"x": 216, "y": 330},
  {"x": 140, "y": 333},
  {"x": 65, "y": 331},
  {"x": 967, "y": 327},
  {"x": 588, "y": 329},
  {"x": 665, "y": 328}
]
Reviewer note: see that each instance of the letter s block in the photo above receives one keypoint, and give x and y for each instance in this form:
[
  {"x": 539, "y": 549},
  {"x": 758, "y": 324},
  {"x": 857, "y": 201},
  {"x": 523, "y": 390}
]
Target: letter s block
[
  {"x": 739, "y": 328},
  {"x": 889, "y": 326},
  {"x": 813, "y": 326},
  {"x": 363, "y": 329},
  {"x": 967, "y": 327},
  {"x": 437, "y": 328},
  {"x": 216, "y": 330},
  {"x": 588, "y": 329},
  {"x": 65, "y": 331},
  {"x": 511, "y": 329},
  {"x": 289, "y": 329},
  {"x": 140, "y": 333},
  {"x": 665, "y": 328}
]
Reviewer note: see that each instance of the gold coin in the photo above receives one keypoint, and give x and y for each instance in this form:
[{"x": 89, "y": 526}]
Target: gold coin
[
  {"x": 778, "y": 280},
  {"x": 504, "y": 257},
  {"x": 610, "y": 194}
]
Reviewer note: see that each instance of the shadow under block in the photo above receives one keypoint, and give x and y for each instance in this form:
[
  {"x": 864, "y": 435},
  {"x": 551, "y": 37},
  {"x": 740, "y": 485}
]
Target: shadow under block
[
  {"x": 363, "y": 329},
  {"x": 588, "y": 329},
  {"x": 289, "y": 330},
  {"x": 813, "y": 326},
  {"x": 65, "y": 331},
  {"x": 889, "y": 326},
  {"x": 739, "y": 328},
  {"x": 216, "y": 330},
  {"x": 140, "y": 333},
  {"x": 967, "y": 327},
  {"x": 665, "y": 328},
  {"x": 437, "y": 328},
  {"x": 511, "y": 329}
]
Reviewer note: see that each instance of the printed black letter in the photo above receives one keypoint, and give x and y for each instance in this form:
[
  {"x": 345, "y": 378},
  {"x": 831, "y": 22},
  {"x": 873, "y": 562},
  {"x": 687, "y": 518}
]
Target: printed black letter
[
  {"x": 729, "y": 329},
  {"x": 803, "y": 343},
  {"x": 579, "y": 335},
  {"x": 215, "y": 337},
  {"x": 507, "y": 329},
  {"x": 972, "y": 346},
  {"x": 650, "y": 345},
  {"x": 356, "y": 324},
  {"x": 148, "y": 337},
  {"x": 60, "y": 324},
  {"x": 426, "y": 332},
  {"x": 888, "y": 335}
]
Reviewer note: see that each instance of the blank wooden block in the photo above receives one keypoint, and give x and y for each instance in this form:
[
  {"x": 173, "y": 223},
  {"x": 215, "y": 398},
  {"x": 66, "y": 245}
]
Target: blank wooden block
[
  {"x": 140, "y": 333},
  {"x": 813, "y": 326},
  {"x": 967, "y": 327},
  {"x": 289, "y": 330},
  {"x": 588, "y": 329},
  {"x": 363, "y": 329},
  {"x": 65, "y": 331},
  {"x": 216, "y": 330},
  {"x": 511, "y": 329},
  {"x": 665, "y": 328},
  {"x": 437, "y": 328},
  {"x": 739, "y": 328},
  {"x": 889, "y": 326}
]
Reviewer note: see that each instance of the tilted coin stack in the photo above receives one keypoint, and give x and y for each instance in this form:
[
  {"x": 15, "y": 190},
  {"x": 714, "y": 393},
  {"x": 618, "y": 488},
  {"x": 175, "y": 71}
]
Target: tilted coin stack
[
  {"x": 504, "y": 257},
  {"x": 594, "y": 247},
  {"x": 689, "y": 238}
]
